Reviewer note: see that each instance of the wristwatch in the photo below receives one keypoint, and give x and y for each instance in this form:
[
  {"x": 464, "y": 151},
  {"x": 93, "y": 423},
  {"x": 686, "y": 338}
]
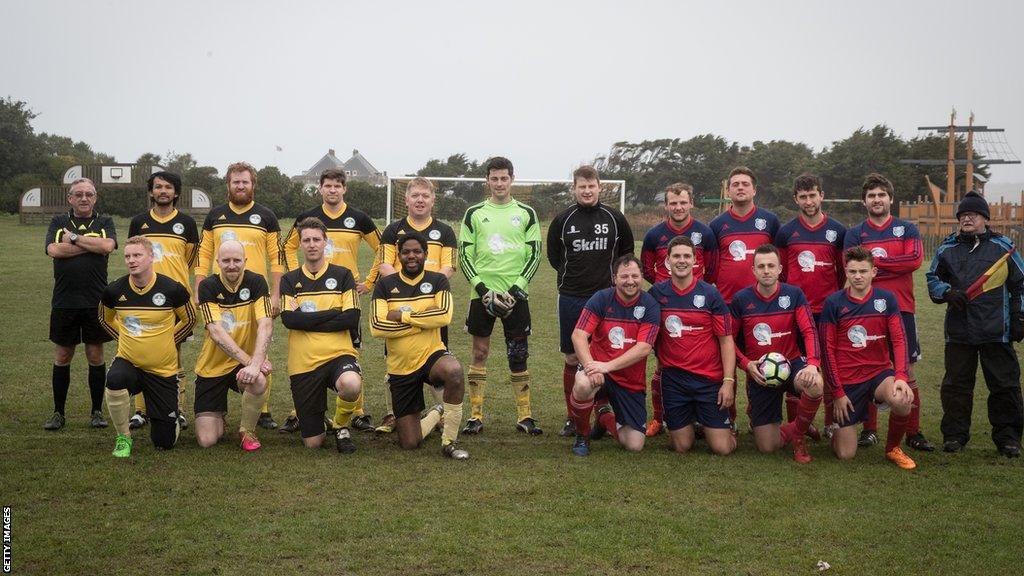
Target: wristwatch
[{"x": 73, "y": 238}]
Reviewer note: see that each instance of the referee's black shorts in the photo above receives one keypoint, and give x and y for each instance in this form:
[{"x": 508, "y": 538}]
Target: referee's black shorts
[
  {"x": 308, "y": 392},
  {"x": 73, "y": 326}
]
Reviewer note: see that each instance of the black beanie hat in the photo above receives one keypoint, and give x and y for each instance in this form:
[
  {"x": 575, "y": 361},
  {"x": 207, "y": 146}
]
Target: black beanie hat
[{"x": 973, "y": 202}]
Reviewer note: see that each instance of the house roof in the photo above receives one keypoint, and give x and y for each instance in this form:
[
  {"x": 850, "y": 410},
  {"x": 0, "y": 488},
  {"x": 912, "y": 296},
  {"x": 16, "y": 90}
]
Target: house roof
[
  {"x": 359, "y": 164},
  {"x": 328, "y": 161}
]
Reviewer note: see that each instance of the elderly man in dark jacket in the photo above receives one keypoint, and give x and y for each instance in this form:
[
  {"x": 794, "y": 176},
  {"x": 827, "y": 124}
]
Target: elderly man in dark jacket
[{"x": 980, "y": 276}]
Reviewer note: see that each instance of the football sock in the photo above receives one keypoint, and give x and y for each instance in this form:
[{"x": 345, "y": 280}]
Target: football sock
[
  {"x": 871, "y": 423},
  {"x": 344, "y": 412},
  {"x": 897, "y": 427},
  {"x": 521, "y": 389},
  {"x": 119, "y": 404},
  {"x": 580, "y": 414},
  {"x": 359, "y": 405},
  {"x": 914, "y": 422},
  {"x": 97, "y": 380},
  {"x": 428, "y": 422},
  {"x": 266, "y": 397},
  {"x": 477, "y": 378},
  {"x": 140, "y": 403},
  {"x": 568, "y": 381},
  {"x": 252, "y": 404},
  {"x": 792, "y": 404},
  {"x": 659, "y": 409},
  {"x": 607, "y": 419},
  {"x": 452, "y": 421},
  {"x": 806, "y": 409},
  {"x": 388, "y": 406},
  {"x": 339, "y": 409},
  {"x": 61, "y": 383}
]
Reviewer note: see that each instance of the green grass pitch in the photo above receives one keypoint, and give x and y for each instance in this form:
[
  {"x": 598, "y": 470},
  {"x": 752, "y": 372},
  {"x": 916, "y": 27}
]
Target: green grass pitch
[{"x": 519, "y": 506}]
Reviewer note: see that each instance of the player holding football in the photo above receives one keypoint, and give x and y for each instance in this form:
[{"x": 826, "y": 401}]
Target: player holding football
[
  {"x": 235, "y": 307},
  {"x": 896, "y": 247},
  {"x": 866, "y": 355},
  {"x": 583, "y": 242},
  {"x": 654, "y": 255},
  {"x": 499, "y": 251},
  {"x": 771, "y": 316},
  {"x": 409, "y": 310},
  {"x": 696, "y": 354},
  {"x": 811, "y": 249},
  {"x": 615, "y": 332}
]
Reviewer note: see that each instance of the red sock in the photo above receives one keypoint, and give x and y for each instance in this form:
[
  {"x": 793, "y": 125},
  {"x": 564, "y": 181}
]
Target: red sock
[
  {"x": 872, "y": 422},
  {"x": 607, "y": 419},
  {"x": 806, "y": 409},
  {"x": 792, "y": 403},
  {"x": 828, "y": 406},
  {"x": 568, "y": 381},
  {"x": 579, "y": 411},
  {"x": 914, "y": 421},
  {"x": 897, "y": 428},
  {"x": 659, "y": 409}
]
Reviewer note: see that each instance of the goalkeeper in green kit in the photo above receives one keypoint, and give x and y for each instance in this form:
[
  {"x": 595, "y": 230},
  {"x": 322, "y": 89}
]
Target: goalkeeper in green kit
[{"x": 499, "y": 250}]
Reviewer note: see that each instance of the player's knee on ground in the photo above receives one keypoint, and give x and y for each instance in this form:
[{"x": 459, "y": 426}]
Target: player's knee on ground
[
  {"x": 720, "y": 440},
  {"x": 630, "y": 439},
  {"x": 208, "y": 428},
  {"x": 682, "y": 439},
  {"x": 844, "y": 443},
  {"x": 314, "y": 441},
  {"x": 517, "y": 350},
  {"x": 349, "y": 385},
  {"x": 767, "y": 438},
  {"x": 163, "y": 433}
]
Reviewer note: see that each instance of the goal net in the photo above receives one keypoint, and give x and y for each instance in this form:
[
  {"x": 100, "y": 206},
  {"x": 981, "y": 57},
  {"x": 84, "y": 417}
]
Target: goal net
[{"x": 455, "y": 195}]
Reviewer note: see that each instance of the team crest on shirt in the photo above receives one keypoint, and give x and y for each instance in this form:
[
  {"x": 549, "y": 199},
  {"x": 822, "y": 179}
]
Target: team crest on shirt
[
  {"x": 244, "y": 293},
  {"x": 331, "y": 283},
  {"x": 831, "y": 235},
  {"x": 784, "y": 302},
  {"x": 434, "y": 235},
  {"x": 406, "y": 308},
  {"x": 617, "y": 337},
  {"x": 879, "y": 252},
  {"x": 426, "y": 287},
  {"x": 158, "y": 252},
  {"x": 880, "y": 305},
  {"x": 898, "y": 231},
  {"x": 698, "y": 300},
  {"x": 515, "y": 220},
  {"x": 229, "y": 235},
  {"x": 760, "y": 223},
  {"x": 255, "y": 219},
  {"x": 350, "y": 222},
  {"x": 308, "y": 306},
  {"x": 178, "y": 228},
  {"x": 159, "y": 299},
  {"x": 639, "y": 311},
  {"x": 696, "y": 237}
]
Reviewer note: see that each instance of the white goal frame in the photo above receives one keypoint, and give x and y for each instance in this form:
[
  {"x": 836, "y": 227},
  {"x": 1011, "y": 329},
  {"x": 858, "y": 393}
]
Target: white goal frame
[{"x": 517, "y": 182}]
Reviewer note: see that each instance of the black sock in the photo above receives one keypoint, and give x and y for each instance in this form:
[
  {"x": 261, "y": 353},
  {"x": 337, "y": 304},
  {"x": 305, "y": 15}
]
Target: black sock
[
  {"x": 97, "y": 379},
  {"x": 61, "y": 383}
]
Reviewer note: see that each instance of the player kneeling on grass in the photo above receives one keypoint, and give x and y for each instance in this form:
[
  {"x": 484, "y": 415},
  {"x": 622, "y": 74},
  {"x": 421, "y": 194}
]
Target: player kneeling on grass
[
  {"x": 321, "y": 311},
  {"x": 235, "y": 306},
  {"x": 866, "y": 355},
  {"x": 148, "y": 314},
  {"x": 613, "y": 336},
  {"x": 773, "y": 317},
  {"x": 409, "y": 310},
  {"x": 695, "y": 352}
]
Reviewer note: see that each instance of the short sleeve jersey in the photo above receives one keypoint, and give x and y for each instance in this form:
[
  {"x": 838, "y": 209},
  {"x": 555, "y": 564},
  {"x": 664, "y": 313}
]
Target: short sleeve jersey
[
  {"x": 345, "y": 230},
  {"x": 896, "y": 247},
  {"x": 862, "y": 337},
  {"x": 237, "y": 309},
  {"x": 441, "y": 244},
  {"x": 691, "y": 322},
  {"x": 812, "y": 257},
  {"x": 255, "y": 226},
  {"x": 499, "y": 245},
  {"x": 781, "y": 323},
  {"x": 79, "y": 281},
  {"x": 147, "y": 321},
  {"x": 655, "y": 250},
  {"x": 331, "y": 288},
  {"x": 615, "y": 327},
  {"x": 175, "y": 242},
  {"x": 738, "y": 237}
]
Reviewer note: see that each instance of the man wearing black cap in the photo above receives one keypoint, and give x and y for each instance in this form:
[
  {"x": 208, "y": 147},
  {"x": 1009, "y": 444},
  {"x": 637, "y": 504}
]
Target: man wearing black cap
[{"x": 980, "y": 276}]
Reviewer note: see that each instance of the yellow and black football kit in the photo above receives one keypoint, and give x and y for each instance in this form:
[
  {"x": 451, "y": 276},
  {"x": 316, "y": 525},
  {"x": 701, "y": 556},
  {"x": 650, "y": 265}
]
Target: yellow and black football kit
[
  {"x": 321, "y": 313},
  {"x": 345, "y": 229},
  {"x": 442, "y": 244},
  {"x": 175, "y": 243},
  {"x": 255, "y": 226}
]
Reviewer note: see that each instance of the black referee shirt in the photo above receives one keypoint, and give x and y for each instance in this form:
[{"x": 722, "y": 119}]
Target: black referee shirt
[
  {"x": 583, "y": 241},
  {"x": 79, "y": 281}
]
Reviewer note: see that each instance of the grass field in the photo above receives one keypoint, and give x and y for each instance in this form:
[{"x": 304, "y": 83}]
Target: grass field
[{"x": 519, "y": 506}]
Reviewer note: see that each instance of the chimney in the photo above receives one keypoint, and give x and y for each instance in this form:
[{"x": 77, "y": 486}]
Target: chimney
[
  {"x": 330, "y": 151},
  {"x": 355, "y": 152}
]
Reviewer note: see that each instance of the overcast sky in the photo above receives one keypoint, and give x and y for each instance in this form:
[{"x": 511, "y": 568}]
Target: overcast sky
[{"x": 549, "y": 84}]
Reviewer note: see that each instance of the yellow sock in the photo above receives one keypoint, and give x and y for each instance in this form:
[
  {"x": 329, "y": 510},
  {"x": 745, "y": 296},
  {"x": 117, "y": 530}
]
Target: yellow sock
[
  {"x": 338, "y": 408},
  {"x": 251, "y": 406},
  {"x": 452, "y": 421},
  {"x": 266, "y": 396},
  {"x": 428, "y": 422},
  {"x": 344, "y": 412},
  {"x": 477, "y": 382},
  {"x": 389, "y": 408},
  {"x": 140, "y": 403},
  {"x": 521, "y": 389},
  {"x": 119, "y": 404}
]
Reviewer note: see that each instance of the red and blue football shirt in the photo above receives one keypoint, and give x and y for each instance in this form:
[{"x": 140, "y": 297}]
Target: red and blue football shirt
[
  {"x": 691, "y": 322},
  {"x": 896, "y": 246},
  {"x": 780, "y": 323},
  {"x": 738, "y": 237},
  {"x": 655, "y": 250},
  {"x": 812, "y": 257},
  {"x": 615, "y": 327}
]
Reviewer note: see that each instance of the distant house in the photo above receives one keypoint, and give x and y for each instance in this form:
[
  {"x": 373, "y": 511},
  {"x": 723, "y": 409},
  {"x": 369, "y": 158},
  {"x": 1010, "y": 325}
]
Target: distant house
[{"x": 357, "y": 168}]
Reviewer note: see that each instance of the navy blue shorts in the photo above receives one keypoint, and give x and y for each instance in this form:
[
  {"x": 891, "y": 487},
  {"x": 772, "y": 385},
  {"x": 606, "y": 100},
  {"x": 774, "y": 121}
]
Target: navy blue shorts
[
  {"x": 688, "y": 398},
  {"x": 861, "y": 395},
  {"x": 569, "y": 310},
  {"x": 910, "y": 333},
  {"x": 766, "y": 403},
  {"x": 630, "y": 407}
]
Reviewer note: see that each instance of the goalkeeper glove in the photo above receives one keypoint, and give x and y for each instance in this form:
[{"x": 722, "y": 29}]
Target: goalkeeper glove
[{"x": 518, "y": 293}]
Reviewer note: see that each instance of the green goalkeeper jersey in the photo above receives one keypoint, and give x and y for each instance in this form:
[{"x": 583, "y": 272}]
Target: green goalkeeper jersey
[{"x": 499, "y": 245}]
